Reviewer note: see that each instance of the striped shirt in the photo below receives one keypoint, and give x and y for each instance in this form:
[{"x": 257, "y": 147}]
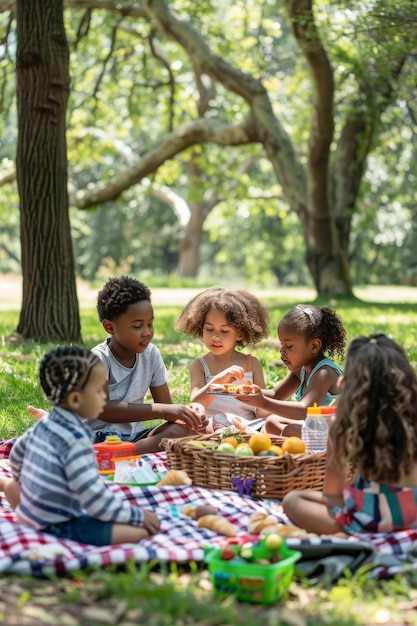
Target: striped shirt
[{"x": 55, "y": 464}]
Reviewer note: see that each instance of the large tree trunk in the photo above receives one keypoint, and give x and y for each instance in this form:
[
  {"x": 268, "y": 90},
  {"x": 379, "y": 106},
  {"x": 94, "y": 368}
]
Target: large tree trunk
[{"x": 49, "y": 303}]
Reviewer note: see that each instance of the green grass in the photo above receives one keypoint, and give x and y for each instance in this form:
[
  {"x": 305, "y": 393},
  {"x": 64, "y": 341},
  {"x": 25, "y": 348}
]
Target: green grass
[{"x": 170, "y": 596}]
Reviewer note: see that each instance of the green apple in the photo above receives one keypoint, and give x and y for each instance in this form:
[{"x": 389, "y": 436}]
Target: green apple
[
  {"x": 273, "y": 542},
  {"x": 225, "y": 447},
  {"x": 243, "y": 449}
]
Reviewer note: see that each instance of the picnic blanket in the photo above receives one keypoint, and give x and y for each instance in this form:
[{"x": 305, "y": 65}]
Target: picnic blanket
[{"x": 25, "y": 551}]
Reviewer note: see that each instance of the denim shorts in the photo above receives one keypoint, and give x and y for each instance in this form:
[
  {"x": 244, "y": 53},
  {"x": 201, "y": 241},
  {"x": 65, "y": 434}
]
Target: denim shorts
[
  {"x": 100, "y": 435},
  {"x": 84, "y": 529}
]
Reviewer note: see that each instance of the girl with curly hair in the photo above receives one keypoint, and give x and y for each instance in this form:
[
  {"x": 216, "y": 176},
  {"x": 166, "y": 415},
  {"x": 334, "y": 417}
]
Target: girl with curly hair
[
  {"x": 373, "y": 441},
  {"x": 226, "y": 320}
]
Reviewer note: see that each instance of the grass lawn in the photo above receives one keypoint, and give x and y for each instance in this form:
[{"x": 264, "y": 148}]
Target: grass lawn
[{"x": 160, "y": 597}]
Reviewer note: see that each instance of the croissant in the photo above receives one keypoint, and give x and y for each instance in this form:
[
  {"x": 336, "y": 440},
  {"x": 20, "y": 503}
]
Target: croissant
[
  {"x": 259, "y": 521},
  {"x": 195, "y": 512},
  {"x": 175, "y": 477},
  {"x": 263, "y": 524},
  {"x": 218, "y": 524}
]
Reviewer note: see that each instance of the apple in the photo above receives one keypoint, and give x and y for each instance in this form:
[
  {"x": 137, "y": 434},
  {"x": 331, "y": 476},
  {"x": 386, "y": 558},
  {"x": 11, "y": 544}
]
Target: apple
[
  {"x": 225, "y": 447},
  {"x": 227, "y": 554},
  {"x": 273, "y": 542},
  {"x": 243, "y": 449}
]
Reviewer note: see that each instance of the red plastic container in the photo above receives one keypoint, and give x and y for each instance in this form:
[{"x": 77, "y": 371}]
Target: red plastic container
[{"x": 112, "y": 447}]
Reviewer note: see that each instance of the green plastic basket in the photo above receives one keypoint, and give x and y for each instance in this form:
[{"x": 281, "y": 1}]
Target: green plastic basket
[{"x": 252, "y": 582}]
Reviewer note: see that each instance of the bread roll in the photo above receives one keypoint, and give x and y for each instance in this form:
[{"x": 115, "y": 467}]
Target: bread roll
[
  {"x": 218, "y": 524},
  {"x": 175, "y": 478},
  {"x": 259, "y": 521}
]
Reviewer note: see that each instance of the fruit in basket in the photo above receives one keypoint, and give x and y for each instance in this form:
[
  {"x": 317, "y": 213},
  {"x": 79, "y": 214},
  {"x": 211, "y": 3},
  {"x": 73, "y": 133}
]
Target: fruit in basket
[
  {"x": 232, "y": 440},
  {"x": 267, "y": 453},
  {"x": 273, "y": 542},
  {"x": 227, "y": 553},
  {"x": 225, "y": 447},
  {"x": 196, "y": 442},
  {"x": 260, "y": 442},
  {"x": 294, "y": 445},
  {"x": 244, "y": 449},
  {"x": 277, "y": 449}
]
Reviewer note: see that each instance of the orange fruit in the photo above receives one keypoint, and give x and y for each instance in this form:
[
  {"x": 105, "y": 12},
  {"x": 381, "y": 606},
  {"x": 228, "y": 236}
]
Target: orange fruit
[
  {"x": 294, "y": 445},
  {"x": 232, "y": 440},
  {"x": 259, "y": 442},
  {"x": 277, "y": 450}
]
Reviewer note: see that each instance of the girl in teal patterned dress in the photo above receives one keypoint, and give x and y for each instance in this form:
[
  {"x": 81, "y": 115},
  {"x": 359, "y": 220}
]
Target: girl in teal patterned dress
[
  {"x": 371, "y": 479},
  {"x": 309, "y": 335}
]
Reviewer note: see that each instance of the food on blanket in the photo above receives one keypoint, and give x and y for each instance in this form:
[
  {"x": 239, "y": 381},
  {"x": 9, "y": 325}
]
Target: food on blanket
[
  {"x": 218, "y": 524},
  {"x": 242, "y": 389},
  {"x": 239, "y": 423},
  {"x": 261, "y": 523},
  {"x": 227, "y": 553},
  {"x": 273, "y": 542},
  {"x": 195, "y": 512},
  {"x": 244, "y": 449},
  {"x": 294, "y": 445},
  {"x": 48, "y": 552},
  {"x": 175, "y": 478},
  {"x": 260, "y": 442}
]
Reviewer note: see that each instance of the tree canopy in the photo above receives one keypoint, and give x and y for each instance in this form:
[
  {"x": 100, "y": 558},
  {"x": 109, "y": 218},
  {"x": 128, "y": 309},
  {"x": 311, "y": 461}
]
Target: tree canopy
[{"x": 188, "y": 100}]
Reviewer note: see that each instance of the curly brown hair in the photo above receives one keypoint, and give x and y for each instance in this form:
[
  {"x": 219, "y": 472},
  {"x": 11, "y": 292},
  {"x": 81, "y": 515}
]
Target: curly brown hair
[
  {"x": 243, "y": 311},
  {"x": 375, "y": 429},
  {"x": 317, "y": 321},
  {"x": 118, "y": 294}
]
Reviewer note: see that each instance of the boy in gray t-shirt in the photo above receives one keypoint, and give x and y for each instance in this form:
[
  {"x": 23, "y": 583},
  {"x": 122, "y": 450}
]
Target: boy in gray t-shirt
[{"x": 133, "y": 366}]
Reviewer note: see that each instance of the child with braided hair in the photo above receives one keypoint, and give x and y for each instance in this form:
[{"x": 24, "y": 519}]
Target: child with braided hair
[
  {"x": 309, "y": 335},
  {"x": 56, "y": 487},
  {"x": 370, "y": 483}
]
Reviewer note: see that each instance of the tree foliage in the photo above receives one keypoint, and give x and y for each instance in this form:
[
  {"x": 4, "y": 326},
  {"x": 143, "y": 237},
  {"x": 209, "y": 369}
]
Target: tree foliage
[{"x": 181, "y": 104}]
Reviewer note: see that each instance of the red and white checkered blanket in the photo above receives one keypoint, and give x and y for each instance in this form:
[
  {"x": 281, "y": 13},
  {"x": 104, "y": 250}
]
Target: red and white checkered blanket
[{"x": 26, "y": 551}]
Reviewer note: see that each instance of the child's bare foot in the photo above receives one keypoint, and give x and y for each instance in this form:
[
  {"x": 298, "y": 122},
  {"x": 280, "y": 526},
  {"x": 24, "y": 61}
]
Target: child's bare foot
[{"x": 36, "y": 413}]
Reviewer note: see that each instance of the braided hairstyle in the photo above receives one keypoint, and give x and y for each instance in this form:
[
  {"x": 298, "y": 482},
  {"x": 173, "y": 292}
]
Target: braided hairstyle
[
  {"x": 118, "y": 294},
  {"x": 376, "y": 420},
  {"x": 65, "y": 369},
  {"x": 243, "y": 311},
  {"x": 317, "y": 321}
]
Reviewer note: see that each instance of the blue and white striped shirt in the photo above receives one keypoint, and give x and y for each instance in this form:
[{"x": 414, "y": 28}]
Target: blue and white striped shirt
[{"x": 56, "y": 466}]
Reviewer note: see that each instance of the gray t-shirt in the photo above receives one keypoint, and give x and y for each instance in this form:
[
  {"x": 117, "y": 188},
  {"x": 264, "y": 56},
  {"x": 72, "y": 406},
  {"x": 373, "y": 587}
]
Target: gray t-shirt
[{"x": 129, "y": 384}]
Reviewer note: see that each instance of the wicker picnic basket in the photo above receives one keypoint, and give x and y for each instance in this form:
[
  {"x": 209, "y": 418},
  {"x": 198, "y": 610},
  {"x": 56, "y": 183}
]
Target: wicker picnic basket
[{"x": 272, "y": 477}]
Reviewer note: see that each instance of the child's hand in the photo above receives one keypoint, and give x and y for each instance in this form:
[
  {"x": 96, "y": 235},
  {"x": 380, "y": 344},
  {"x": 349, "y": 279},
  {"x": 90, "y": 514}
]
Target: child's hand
[
  {"x": 151, "y": 522},
  {"x": 254, "y": 399},
  {"x": 188, "y": 416},
  {"x": 36, "y": 413},
  {"x": 229, "y": 375},
  {"x": 200, "y": 410}
]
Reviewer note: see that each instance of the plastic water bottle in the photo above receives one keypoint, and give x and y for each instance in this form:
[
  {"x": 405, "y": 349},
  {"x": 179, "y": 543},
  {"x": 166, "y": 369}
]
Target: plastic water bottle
[{"x": 315, "y": 429}]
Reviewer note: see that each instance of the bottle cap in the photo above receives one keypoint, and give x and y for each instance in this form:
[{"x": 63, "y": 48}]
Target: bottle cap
[
  {"x": 314, "y": 410},
  {"x": 112, "y": 439}
]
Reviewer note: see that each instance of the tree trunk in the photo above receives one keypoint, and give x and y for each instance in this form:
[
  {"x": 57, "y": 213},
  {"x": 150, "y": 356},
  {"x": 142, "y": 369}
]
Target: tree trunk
[{"x": 49, "y": 303}]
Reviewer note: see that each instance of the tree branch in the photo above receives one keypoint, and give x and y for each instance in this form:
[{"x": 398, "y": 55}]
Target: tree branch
[{"x": 199, "y": 131}]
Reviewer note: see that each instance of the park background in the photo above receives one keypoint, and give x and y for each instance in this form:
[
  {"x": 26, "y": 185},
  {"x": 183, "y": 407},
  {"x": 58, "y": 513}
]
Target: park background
[{"x": 266, "y": 144}]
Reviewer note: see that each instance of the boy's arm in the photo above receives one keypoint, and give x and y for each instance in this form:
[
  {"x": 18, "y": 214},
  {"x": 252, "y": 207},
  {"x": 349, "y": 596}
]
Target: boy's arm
[{"x": 121, "y": 412}]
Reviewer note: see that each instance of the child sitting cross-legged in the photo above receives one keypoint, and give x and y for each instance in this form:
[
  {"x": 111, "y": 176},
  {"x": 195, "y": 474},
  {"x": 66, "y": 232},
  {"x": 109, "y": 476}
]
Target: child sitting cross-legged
[
  {"x": 56, "y": 487},
  {"x": 370, "y": 484}
]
